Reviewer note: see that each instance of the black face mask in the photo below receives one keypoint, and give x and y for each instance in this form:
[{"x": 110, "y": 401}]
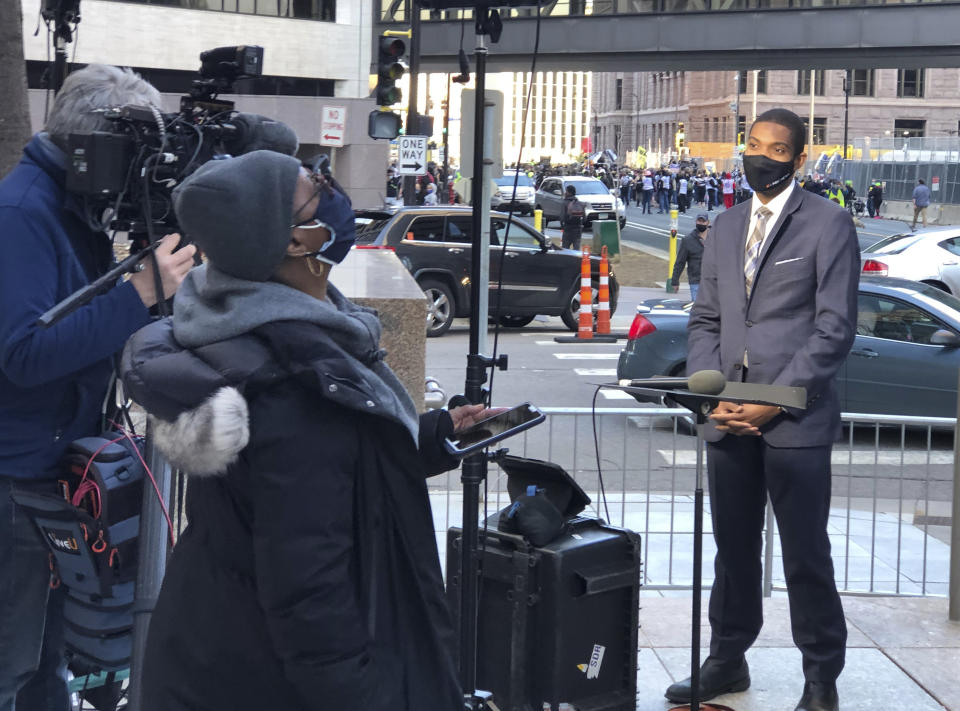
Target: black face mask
[
  {"x": 765, "y": 174},
  {"x": 702, "y": 228}
]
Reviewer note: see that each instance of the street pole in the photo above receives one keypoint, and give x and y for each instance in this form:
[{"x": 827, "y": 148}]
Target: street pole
[
  {"x": 446, "y": 139},
  {"x": 954, "y": 579},
  {"x": 413, "y": 120},
  {"x": 810, "y": 125},
  {"x": 736, "y": 119},
  {"x": 847, "y": 78}
]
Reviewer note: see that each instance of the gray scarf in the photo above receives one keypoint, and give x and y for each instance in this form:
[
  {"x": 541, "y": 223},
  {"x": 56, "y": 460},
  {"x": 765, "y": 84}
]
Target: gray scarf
[{"x": 212, "y": 306}]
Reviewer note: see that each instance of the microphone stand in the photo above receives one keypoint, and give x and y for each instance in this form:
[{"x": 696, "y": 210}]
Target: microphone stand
[{"x": 701, "y": 405}]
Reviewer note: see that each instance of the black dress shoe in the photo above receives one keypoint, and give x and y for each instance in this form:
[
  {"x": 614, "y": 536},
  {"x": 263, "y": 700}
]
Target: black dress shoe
[
  {"x": 716, "y": 677},
  {"x": 819, "y": 696}
]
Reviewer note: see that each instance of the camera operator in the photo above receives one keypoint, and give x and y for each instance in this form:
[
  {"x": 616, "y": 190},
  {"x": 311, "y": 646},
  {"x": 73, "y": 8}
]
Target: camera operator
[{"x": 53, "y": 382}]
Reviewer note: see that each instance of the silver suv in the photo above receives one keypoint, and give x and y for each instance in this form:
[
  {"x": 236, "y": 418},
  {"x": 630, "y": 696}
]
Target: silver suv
[
  {"x": 598, "y": 201},
  {"x": 522, "y": 201}
]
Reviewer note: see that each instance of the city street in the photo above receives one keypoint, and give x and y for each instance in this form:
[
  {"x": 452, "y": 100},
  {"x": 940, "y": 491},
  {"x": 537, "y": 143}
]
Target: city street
[{"x": 646, "y": 453}]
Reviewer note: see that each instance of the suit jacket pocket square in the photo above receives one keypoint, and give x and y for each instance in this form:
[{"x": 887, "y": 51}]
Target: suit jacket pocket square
[{"x": 787, "y": 261}]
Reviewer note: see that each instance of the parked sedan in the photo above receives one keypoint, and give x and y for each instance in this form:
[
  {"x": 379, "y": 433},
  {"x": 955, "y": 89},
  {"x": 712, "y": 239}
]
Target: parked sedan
[
  {"x": 931, "y": 256},
  {"x": 904, "y": 360},
  {"x": 435, "y": 245}
]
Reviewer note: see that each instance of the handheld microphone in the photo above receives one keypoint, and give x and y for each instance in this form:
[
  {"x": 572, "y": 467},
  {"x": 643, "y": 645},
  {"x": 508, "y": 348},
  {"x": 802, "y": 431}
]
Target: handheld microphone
[
  {"x": 255, "y": 133},
  {"x": 703, "y": 382}
]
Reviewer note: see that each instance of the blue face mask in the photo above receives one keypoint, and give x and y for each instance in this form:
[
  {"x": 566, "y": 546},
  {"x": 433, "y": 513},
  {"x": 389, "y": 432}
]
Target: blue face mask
[{"x": 336, "y": 213}]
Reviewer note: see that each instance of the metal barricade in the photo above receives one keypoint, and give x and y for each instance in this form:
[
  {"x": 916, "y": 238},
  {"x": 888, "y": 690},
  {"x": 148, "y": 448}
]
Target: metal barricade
[{"x": 890, "y": 511}]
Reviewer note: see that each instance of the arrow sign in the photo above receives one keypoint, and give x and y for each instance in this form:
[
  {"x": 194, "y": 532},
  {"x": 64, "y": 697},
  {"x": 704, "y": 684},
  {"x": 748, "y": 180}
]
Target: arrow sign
[
  {"x": 333, "y": 125},
  {"x": 412, "y": 155}
]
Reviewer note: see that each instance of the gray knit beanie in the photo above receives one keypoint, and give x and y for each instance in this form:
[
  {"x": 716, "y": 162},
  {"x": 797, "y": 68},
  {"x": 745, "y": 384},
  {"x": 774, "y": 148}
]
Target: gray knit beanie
[{"x": 239, "y": 211}]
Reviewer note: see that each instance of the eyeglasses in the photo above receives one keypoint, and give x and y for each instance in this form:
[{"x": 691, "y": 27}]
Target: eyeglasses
[{"x": 312, "y": 224}]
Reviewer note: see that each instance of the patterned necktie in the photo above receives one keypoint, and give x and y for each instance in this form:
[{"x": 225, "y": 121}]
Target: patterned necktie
[{"x": 751, "y": 257}]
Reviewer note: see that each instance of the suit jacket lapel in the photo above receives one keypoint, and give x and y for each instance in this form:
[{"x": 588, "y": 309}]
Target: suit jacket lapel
[{"x": 740, "y": 224}]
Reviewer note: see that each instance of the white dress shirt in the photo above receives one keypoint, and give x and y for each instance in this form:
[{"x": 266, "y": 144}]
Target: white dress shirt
[{"x": 775, "y": 206}]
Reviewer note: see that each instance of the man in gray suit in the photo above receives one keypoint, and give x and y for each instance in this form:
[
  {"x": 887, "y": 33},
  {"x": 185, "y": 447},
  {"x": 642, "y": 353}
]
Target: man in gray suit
[{"x": 777, "y": 305}]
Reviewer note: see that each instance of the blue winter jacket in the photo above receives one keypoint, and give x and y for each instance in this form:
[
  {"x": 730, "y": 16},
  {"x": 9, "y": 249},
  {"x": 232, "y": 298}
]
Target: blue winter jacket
[{"x": 52, "y": 381}]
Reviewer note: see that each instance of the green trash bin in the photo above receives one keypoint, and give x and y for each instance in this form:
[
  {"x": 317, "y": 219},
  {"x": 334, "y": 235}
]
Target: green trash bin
[{"x": 606, "y": 233}]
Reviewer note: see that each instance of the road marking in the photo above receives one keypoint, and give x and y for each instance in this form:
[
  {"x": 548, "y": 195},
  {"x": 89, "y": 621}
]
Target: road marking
[
  {"x": 688, "y": 458},
  {"x": 587, "y": 356},
  {"x": 615, "y": 395},
  {"x": 585, "y": 342},
  {"x": 599, "y": 372}
]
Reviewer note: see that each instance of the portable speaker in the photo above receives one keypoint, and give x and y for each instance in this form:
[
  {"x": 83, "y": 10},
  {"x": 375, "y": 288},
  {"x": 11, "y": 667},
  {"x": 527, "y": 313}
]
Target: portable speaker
[{"x": 559, "y": 623}]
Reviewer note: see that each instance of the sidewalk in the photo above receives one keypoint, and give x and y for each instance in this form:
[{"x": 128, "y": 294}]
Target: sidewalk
[{"x": 901, "y": 653}]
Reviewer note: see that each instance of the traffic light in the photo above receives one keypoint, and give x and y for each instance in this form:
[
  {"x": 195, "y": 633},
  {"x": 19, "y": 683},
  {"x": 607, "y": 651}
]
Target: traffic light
[
  {"x": 390, "y": 67},
  {"x": 680, "y": 135},
  {"x": 384, "y": 123}
]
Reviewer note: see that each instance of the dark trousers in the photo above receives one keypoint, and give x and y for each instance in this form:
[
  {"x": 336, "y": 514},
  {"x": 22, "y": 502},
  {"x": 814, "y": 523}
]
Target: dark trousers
[
  {"x": 742, "y": 471},
  {"x": 32, "y": 666},
  {"x": 570, "y": 238},
  {"x": 647, "y": 197}
]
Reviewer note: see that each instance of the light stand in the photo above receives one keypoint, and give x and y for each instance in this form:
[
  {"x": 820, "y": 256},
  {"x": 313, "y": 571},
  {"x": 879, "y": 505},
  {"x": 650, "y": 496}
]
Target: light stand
[
  {"x": 64, "y": 14},
  {"x": 474, "y": 469}
]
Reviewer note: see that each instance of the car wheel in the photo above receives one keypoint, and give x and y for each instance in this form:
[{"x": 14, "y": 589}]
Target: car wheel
[
  {"x": 440, "y": 307},
  {"x": 571, "y": 315},
  {"x": 623, "y": 222},
  {"x": 508, "y": 321}
]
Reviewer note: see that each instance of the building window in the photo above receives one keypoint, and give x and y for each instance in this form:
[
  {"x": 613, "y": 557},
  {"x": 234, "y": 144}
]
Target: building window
[
  {"x": 803, "y": 82},
  {"x": 761, "y": 81},
  {"x": 909, "y": 128},
  {"x": 910, "y": 83},
  {"x": 617, "y": 134},
  {"x": 864, "y": 82},
  {"x": 619, "y": 97},
  {"x": 819, "y": 130},
  {"x": 303, "y": 9}
]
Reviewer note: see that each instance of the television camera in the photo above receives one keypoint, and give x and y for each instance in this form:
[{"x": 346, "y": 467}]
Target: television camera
[{"x": 126, "y": 174}]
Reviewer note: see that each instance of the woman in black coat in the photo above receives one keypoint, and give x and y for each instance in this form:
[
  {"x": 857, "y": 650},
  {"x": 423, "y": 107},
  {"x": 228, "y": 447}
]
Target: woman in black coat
[{"x": 308, "y": 577}]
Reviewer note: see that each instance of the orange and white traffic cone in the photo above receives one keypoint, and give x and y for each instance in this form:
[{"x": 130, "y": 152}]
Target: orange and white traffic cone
[
  {"x": 603, "y": 308},
  {"x": 585, "y": 329}
]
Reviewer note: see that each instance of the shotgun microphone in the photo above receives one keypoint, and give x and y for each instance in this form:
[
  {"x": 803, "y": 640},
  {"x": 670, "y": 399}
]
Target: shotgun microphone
[{"x": 703, "y": 382}]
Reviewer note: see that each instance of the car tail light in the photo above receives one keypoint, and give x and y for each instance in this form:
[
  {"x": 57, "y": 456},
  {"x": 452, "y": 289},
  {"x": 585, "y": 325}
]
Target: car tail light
[
  {"x": 641, "y": 326},
  {"x": 875, "y": 268}
]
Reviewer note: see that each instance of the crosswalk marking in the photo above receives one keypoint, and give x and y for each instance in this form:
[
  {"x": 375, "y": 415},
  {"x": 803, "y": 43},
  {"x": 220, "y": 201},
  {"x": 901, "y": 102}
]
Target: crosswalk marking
[
  {"x": 615, "y": 395},
  {"x": 585, "y": 342},
  {"x": 586, "y": 356},
  {"x": 598, "y": 372}
]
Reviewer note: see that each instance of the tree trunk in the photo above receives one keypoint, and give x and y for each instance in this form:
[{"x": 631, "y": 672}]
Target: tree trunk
[{"x": 14, "y": 109}]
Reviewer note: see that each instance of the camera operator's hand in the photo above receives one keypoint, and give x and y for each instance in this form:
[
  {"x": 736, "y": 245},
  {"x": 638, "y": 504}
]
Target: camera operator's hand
[{"x": 173, "y": 268}]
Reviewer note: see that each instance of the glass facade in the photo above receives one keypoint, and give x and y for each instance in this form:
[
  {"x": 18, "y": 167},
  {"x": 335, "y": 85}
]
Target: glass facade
[
  {"x": 325, "y": 10},
  {"x": 398, "y": 10}
]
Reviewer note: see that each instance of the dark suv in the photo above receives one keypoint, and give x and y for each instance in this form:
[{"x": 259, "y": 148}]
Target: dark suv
[{"x": 434, "y": 244}]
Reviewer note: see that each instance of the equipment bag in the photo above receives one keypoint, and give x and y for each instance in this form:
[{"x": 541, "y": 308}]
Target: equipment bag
[
  {"x": 576, "y": 212},
  {"x": 92, "y": 528}
]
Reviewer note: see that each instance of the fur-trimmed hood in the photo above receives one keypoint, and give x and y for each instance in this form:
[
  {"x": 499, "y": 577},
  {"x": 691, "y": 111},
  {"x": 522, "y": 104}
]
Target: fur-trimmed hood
[{"x": 196, "y": 399}]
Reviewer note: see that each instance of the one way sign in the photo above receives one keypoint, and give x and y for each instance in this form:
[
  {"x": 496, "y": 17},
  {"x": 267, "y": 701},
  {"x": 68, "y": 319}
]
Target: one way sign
[{"x": 412, "y": 155}]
